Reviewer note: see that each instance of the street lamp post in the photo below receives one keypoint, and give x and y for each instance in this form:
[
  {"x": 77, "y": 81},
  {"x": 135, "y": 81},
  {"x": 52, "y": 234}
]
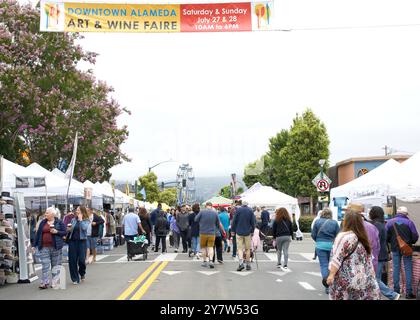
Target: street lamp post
[{"x": 150, "y": 168}]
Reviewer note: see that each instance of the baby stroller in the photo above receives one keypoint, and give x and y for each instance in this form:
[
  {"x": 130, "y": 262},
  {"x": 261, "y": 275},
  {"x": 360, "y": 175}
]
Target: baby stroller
[
  {"x": 268, "y": 240},
  {"x": 136, "y": 247}
]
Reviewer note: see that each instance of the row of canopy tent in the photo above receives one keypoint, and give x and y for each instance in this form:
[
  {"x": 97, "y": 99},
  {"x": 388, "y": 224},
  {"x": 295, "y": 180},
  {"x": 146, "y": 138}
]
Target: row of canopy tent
[
  {"x": 259, "y": 195},
  {"x": 392, "y": 178},
  {"x": 400, "y": 180},
  {"x": 57, "y": 183}
]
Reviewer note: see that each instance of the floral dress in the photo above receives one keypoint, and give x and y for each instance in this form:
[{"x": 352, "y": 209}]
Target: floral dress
[{"x": 355, "y": 278}]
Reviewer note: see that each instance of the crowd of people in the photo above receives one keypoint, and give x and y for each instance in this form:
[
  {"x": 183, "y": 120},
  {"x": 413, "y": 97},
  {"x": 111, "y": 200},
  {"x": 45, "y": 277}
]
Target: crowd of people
[{"x": 352, "y": 256}]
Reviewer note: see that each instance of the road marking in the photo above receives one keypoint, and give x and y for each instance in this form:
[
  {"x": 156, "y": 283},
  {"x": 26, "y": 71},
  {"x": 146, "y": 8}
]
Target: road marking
[
  {"x": 279, "y": 280},
  {"x": 306, "y": 286},
  {"x": 277, "y": 273},
  {"x": 239, "y": 273},
  {"x": 166, "y": 257},
  {"x": 99, "y": 258},
  {"x": 122, "y": 259},
  {"x": 136, "y": 283},
  {"x": 271, "y": 256},
  {"x": 316, "y": 274},
  {"x": 208, "y": 273},
  {"x": 171, "y": 273},
  {"x": 143, "y": 289}
]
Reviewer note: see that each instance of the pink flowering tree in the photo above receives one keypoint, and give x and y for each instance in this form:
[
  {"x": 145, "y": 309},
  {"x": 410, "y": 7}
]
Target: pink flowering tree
[{"x": 45, "y": 99}]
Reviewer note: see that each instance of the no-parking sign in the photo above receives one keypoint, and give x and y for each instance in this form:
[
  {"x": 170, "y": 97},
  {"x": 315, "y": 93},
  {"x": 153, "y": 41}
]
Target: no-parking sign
[{"x": 322, "y": 183}]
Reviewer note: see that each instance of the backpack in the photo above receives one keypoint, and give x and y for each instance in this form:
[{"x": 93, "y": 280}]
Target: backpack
[{"x": 161, "y": 224}]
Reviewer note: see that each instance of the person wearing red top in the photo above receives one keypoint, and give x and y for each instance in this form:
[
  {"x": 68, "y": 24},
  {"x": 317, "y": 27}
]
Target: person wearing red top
[{"x": 49, "y": 242}]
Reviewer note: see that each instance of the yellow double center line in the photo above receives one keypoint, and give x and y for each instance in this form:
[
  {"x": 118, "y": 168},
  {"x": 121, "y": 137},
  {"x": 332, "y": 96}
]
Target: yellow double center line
[{"x": 156, "y": 268}]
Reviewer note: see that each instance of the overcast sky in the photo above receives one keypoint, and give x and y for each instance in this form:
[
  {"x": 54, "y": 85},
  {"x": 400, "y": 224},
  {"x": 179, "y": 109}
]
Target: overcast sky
[{"x": 214, "y": 99}]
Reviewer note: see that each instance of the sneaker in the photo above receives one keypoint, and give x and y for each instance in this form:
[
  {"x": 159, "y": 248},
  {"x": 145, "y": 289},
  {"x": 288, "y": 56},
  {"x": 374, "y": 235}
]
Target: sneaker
[
  {"x": 204, "y": 264},
  {"x": 279, "y": 266},
  {"x": 410, "y": 296},
  {"x": 285, "y": 267},
  {"x": 397, "y": 297},
  {"x": 176, "y": 250},
  {"x": 197, "y": 256},
  {"x": 75, "y": 282},
  {"x": 220, "y": 261},
  {"x": 43, "y": 286},
  {"x": 82, "y": 278},
  {"x": 248, "y": 267},
  {"x": 241, "y": 267},
  {"x": 211, "y": 265},
  {"x": 228, "y": 249}
]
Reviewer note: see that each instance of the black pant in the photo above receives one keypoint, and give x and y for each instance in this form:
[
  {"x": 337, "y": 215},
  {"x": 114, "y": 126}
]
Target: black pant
[
  {"x": 218, "y": 243},
  {"x": 184, "y": 236},
  {"x": 77, "y": 256},
  {"x": 158, "y": 239},
  {"x": 234, "y": 249}
]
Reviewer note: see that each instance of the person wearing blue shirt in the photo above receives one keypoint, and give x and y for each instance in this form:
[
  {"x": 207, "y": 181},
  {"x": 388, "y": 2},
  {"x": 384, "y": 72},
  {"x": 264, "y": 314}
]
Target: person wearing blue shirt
[{"x": 224, "y": 220}]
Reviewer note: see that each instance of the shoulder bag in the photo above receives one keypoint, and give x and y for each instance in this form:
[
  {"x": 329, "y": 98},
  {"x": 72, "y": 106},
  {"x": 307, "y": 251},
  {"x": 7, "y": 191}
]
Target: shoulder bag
[{"x": 405, "y": 249}]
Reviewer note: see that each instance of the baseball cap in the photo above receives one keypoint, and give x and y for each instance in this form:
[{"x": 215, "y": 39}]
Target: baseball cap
[
  {"x": 403, "y": 210},
  {"x": 358, "y": 207}
]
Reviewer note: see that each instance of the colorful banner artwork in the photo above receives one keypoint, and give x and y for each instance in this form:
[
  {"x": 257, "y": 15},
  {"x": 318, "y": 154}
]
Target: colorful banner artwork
[{"x": 113, "y": 17}]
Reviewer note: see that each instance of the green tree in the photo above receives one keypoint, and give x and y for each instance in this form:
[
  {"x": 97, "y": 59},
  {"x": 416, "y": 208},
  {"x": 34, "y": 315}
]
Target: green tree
[
  {"x": 168, "y": 196},
  {"x": 45, "y": 99},
  {"x": 254, "y": 172},
  {"x": 307, "y": 143},
  {"x": 226, "y": 192},
  {"x": 149, "y": 183}
]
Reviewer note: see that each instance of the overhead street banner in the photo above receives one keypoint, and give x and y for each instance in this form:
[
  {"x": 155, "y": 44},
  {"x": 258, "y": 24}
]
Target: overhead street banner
[{"x": 160, "y": 18}]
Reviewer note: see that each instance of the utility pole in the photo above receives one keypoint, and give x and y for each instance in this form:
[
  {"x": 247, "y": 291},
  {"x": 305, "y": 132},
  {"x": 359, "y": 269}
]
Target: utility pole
[{"x": 386, "y": 150}]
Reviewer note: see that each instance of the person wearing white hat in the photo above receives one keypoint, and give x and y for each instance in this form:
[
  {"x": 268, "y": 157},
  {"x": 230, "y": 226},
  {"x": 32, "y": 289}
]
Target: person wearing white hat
[{"x": 402, "y": 226}]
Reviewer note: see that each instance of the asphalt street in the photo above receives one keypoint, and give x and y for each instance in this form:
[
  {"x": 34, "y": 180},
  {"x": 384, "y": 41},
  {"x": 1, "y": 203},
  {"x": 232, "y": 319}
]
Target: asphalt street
[{"x": 176, "y": 276}]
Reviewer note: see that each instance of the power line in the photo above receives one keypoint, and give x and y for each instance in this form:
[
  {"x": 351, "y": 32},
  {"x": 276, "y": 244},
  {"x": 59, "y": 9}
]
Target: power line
[{"x": 350, "y": 27}]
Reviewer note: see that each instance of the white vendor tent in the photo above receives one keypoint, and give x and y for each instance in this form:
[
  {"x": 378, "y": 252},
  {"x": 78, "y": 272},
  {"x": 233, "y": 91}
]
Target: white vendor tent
[
  {"x": 378, "y": 183},
  {"x": 252, "y": 189},
  {"x": 411, "y": 174},
  {"x": 56, "y": 186},
  {"x": 11, "y": 171},
  {"x": 272, "y": 199}
]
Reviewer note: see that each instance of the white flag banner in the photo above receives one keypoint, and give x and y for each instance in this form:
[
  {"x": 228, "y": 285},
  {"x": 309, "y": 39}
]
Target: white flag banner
[{"x": 70, "y": 169}]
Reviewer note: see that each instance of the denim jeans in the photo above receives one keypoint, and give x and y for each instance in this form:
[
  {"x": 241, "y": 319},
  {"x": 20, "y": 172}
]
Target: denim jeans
[
  {"x": 324, "y": 260},
  {"x": 50, "y": 258},
  {"x": 385, "y": 290},
  {"x": 195, "y": 242},
  {"x": 408, "y": 268},
  {"x": 77, "y": 256}
]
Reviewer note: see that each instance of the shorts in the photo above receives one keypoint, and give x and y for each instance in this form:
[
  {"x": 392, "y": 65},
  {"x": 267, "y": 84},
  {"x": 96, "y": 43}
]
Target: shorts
[
  {"x": 243, "y": 242},
  {"x": 207, "y": 240},
  {"x": 92, "y": 243}
]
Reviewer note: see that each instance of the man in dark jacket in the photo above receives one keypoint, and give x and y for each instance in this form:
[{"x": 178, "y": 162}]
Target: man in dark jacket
[
  {"x": 161, "y": 230},
  {"x": 408, "y": 232},
  {"x": 376, "y": 215},
  {"x": 195, "y": 230},
  {"x": 183, "y": 225},
  {"x": 243, "y": 226},
  {"x": 265, "y": 220},
  {"x": 153, "y": 217}
]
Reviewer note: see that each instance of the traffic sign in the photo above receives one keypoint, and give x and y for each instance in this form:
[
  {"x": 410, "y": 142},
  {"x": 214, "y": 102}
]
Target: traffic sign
[
  {"x": 321, "y": 177},
  {"x": 323, "y": 185}
]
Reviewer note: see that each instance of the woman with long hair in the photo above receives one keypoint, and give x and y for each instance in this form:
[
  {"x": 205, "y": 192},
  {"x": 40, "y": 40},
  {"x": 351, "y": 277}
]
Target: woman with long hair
[
  {"x": 352, "y": 276},
  {"x": 77, "y": 244},
  {"x": 146, "y": 223},
  {"x": 282, "y": 233}
]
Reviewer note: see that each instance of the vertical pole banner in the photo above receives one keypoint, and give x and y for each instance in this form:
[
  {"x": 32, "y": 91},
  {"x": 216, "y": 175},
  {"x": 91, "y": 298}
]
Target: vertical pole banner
[
  {"x": 153, "y": 18},
  {"x": 26, "y": 267}
]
